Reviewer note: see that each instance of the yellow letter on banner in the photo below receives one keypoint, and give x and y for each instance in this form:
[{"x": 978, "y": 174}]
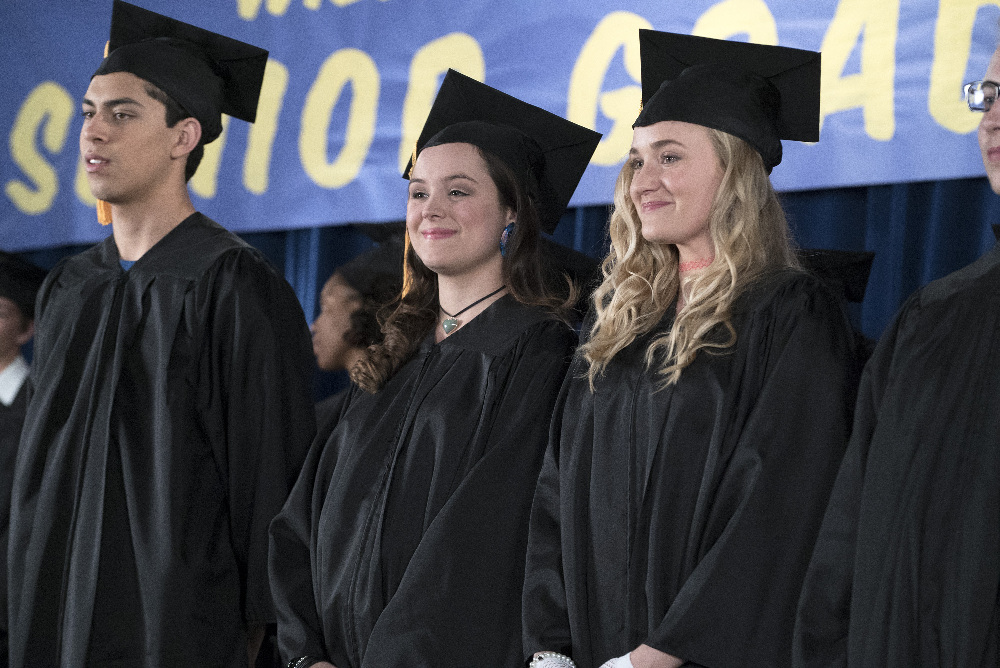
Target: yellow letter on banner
[
  {"x": 248, "y": 9},
  {"x": 263, "y": 131},
  {"x": 49, "y": 107},
  {"x": 457, "y": 51},
  {"x": 343, "y": 66},
  {"x": 617, "y": 30},
  {"x": 952, "y": 42},
  {"x": 873, "y": 88},
  {"x": 205, "y": 181},
  {"x": 734, "y": 17}
]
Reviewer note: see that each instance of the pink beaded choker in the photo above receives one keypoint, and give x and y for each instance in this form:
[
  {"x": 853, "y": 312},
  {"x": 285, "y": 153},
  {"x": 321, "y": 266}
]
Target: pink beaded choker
[{"x": 695, "y": 264}]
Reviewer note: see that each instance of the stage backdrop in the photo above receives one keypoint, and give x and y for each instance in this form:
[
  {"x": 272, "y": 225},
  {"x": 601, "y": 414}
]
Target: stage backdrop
[{"x": 349, "y": 83}]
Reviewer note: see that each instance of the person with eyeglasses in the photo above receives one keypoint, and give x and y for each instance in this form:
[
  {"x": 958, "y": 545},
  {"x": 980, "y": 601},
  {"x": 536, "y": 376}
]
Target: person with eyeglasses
[{"x": 906, "y": 569}]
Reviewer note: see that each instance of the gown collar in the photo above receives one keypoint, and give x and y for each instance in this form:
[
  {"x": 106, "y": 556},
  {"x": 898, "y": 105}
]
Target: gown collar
[{"x": 11, "y": 380}]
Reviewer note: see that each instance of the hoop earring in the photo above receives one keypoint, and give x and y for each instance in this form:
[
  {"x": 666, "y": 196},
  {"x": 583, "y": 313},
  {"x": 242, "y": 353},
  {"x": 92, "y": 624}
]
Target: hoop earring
[{"x": 505, "y": 236}]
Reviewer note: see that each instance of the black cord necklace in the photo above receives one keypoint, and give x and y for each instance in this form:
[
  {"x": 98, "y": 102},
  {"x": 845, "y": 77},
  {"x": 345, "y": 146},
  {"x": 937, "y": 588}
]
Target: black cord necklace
[{"x": 451, "y": 322}]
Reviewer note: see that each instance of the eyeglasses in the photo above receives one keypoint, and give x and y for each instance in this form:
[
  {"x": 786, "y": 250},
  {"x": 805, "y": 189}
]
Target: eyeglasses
[{"x": 980, "y": 95}]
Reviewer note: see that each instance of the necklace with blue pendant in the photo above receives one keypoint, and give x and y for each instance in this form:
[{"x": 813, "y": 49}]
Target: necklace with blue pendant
[{"x": 452, "y": 322}]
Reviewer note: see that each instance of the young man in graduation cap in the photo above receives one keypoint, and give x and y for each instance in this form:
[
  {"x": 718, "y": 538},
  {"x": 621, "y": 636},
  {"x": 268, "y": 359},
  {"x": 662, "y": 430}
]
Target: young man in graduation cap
[
  {"x": 906, "y": 570},
  {"x": 171, "y": 404}
]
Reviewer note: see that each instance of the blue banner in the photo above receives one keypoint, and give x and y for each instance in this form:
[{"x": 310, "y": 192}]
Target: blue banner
[{"x": 349, "y": 83}]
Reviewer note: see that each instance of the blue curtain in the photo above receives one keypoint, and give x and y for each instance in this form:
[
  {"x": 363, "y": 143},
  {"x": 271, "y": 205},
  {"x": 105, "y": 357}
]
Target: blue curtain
[{"x": 918, "y": 232}]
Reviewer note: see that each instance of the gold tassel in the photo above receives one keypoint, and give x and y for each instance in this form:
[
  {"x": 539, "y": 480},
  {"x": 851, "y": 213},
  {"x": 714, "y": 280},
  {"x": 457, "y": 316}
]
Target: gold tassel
[{"x": 103, "y": 212}]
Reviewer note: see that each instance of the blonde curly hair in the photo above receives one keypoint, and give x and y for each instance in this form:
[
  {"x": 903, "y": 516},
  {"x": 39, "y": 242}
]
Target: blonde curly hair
[{"x": 641, "y": 280}]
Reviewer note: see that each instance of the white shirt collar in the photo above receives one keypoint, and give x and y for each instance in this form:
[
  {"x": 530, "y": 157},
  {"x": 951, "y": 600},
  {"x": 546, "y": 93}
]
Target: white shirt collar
[{"x": 11, "y": 380}]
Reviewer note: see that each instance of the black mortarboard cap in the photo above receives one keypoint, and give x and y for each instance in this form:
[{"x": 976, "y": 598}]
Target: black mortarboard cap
[
  {"x": 548, "y": 153},
  {"x": 19, "y": 282},
  {"x": 761, "y": 94},
  {"x": 377, "y": 273},
  {"x": 844, "y": 272},
  {"x": 205, "y": 73}
]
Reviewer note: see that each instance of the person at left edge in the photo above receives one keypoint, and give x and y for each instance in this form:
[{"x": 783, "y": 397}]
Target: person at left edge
[
  {"x": 402, "y": 543},
  {"x": 19, "y": 282},
  {"x": 171, "y": 403}
]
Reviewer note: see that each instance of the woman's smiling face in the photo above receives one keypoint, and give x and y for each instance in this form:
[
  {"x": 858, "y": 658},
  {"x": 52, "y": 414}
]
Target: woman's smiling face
[
  {"x": 675, "y": 176},
  {"x": 453, "y": 214}
]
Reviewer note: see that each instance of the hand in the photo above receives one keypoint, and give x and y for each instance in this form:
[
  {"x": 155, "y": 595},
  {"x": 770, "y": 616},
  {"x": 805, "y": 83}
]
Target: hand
[{"x": 645, "y": 656}]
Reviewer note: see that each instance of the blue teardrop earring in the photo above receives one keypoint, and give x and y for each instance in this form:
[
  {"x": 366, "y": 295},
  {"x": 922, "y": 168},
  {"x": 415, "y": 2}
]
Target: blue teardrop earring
[{"x": 505, "y": 238}]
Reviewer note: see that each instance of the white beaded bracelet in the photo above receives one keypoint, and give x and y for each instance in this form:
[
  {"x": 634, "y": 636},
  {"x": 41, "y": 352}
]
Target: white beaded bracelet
[{"x": 551, "y": 660}]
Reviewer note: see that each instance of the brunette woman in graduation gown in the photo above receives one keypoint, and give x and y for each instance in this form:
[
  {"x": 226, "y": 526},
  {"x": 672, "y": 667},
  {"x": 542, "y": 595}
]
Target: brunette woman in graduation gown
[
  {"x": 700, "y": 426},
  {"x": 403, "y": 541}
]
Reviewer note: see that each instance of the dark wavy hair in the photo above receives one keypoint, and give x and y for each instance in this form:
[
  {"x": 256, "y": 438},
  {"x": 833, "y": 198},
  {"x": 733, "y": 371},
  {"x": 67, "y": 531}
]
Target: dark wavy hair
[
  {"x": 365, "y": 329},
  {"x": 175, "y": 114},
  {"x": 411, "y": 317}
]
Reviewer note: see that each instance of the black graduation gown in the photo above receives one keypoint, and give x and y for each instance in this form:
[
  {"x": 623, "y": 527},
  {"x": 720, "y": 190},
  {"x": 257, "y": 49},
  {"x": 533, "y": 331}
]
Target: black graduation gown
[
  {"x": 11, "y": 420},
  {"x": 402, "y": 543},
  {"x": 683, "y": 518},
  {"x": 906, "y": 570},
  {"x": 328, "y": 412},
  {"x": 171, "y": 408}
]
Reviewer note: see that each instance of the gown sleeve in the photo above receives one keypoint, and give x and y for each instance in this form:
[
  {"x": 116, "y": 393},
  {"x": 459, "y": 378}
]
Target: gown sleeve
[
  {"x": 300, "y": 628},
  {"x": 768, "y": 493},
  {"x": 261, "y": 354},
  {"x": 468, "y": 570},
  {"x": 821, "y": 626},
  {"x": 545, "y": 619}
]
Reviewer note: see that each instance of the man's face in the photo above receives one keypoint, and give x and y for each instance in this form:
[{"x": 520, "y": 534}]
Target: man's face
[
  {"x": 989, "y": 130},
  {"x": 15, "y": 330},
  {"x": 125, "y": 144}
]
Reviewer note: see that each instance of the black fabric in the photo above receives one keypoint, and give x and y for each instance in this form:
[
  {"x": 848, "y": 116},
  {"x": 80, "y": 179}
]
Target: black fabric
[
  {"x": 377, "y": 274},
  {"x": 328, "y": 412},
  {"x": 906, "y": 570},
  {"x": 683, "y": 518},
  {"x": 844, "y": 272},
  {"x": 19, "y": 282},
  {"x": 207, "y": 74},
  {"x": 171, "y": 410},
  {"x": 757, "y": 92},
  {"x": 11, "y": 421},
  {"x": 717, "y": 96},
  {"x": 403, "y": 541}
]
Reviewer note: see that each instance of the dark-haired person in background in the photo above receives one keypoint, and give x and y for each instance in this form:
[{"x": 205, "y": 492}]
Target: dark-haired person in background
[
  {"x": 348, "y": 319},
  {"x": 171, "y": 404},
  {"x": 19, "y": 283},
  {"x": 403, "y": 541},
  {"x": 906, "y": 570}
]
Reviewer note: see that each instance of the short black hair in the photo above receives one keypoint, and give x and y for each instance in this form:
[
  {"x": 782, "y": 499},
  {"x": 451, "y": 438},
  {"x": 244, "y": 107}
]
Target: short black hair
[{"x": 175, "y": 114}]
